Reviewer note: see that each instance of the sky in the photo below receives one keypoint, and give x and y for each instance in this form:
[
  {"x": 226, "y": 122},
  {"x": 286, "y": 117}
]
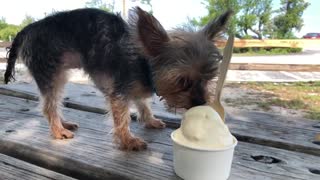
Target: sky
[{"x": 170, "y": 13}]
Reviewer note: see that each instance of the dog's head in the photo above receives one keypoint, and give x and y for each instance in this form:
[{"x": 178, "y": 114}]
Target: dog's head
[{"x": 182, "y": 63}]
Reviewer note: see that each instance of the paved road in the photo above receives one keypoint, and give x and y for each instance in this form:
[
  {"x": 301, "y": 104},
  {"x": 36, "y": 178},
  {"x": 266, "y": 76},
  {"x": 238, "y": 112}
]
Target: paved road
[
  {"x": 303, "y": 58},
  {"x": 310, "y": 55},
  {"x": 2, "y": 52}
]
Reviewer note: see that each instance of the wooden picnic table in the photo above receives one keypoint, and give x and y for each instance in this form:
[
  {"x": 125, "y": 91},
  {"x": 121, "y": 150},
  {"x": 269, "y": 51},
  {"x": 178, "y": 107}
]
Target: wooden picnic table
[{"x": 270, "y": 146}]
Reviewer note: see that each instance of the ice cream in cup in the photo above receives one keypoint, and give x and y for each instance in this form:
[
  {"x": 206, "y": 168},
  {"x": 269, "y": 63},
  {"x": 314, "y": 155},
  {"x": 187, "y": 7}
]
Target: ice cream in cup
[{"x": 203, "y": 146}]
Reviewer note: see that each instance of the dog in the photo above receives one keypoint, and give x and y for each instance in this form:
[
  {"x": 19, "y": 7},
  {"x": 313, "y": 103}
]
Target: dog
[{"x": 127, "y": 61}]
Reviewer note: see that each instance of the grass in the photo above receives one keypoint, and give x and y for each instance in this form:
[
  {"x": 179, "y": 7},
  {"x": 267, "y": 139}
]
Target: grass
[
  {"x": 265, "y": 51},
  {"x": 264, "y": 105},
  {"x": 299, "y": 96},
  {"x": 260, "y": 53},
  {"x": 315, "y": 114}
]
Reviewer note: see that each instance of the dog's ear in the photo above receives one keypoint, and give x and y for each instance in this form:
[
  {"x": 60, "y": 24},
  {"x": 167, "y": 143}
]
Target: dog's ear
[
  {"x": 217, "y": 25},
  {"x": 149, "y": 31}
]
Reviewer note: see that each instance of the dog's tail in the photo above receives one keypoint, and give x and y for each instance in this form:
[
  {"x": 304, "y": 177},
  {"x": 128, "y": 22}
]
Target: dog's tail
[{"x": 12, "y": 55}]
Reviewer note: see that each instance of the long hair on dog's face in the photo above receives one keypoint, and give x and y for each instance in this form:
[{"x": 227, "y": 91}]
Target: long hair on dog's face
[{"x": 182, "y": 63}]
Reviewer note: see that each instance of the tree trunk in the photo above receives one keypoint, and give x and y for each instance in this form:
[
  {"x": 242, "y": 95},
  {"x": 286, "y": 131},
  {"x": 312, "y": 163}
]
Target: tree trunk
[
  {"x": 258, "y": 33},
  {"x": 245, "y": 31}
]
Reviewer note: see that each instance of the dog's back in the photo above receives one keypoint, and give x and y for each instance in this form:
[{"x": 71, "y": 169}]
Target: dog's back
[{"x": 88, "y": 35}]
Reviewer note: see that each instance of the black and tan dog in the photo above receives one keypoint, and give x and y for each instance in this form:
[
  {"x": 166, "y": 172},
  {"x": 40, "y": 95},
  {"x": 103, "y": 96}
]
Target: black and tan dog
[{"x": 127, "y": 63}]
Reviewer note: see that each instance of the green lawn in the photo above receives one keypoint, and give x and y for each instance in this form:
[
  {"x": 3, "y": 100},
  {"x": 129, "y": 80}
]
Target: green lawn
[{"x": 299, "y": 96}]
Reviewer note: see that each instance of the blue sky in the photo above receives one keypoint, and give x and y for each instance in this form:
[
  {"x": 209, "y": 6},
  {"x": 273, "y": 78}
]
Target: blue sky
[
  {"x": 169, "y": 12},
  {"x": 310, "y": 17}
]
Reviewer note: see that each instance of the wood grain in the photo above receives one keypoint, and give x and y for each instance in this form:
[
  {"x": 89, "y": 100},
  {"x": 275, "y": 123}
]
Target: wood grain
[
  {"x": 11, "y": 168},
  {"x": 92, "y": 155},
  {"x": 82, "y": 97},
  {"x": 256, "y": 127}
]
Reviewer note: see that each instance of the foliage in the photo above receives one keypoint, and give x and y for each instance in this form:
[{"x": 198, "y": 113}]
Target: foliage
[
  {"x": 101, "y": 4},
  {"x": 189, "y": 26},
  {"x": 217, "y": 7},
  {"x": 256, "y": 19},
  {"x": 290, "y": 17},
  {"x": 266, "y": 51},
  {"x": 26, "y": 21},
  {"x": 147, "y": 2},
  {"x": 9, "y": 32},
  {"x": 3, "y": 23}
]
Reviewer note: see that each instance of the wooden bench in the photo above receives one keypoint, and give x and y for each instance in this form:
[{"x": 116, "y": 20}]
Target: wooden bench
[
  {"x": 11, "y": 168},
  {"x": 270, "y": 147}
]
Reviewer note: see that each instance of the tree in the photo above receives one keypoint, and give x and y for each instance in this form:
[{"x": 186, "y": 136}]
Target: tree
[
  {"x": 26, "y": 21},
  {"x": 147, "y": 2},
  {"x": 9, "y": 32},
  {"x": 255, "y": 16},
  {"x": 3, "y": 23},
  {"x": 217, "y": 7},
  {"x": 189, "y": 25},
  {"x": 290, "y": 17},
  {"x": 101, "y": 4}
]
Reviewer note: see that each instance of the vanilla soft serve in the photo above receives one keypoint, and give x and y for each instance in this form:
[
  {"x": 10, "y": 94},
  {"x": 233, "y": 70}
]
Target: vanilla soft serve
[{"x": 202, "y": 127}]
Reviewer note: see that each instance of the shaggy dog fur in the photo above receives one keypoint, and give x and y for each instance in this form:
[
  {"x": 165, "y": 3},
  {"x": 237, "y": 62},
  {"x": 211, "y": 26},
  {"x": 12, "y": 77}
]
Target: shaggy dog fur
[{"x": 127, "y": 63}]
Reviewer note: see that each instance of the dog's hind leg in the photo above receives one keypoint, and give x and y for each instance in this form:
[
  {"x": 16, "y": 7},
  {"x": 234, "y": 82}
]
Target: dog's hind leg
[
  {"x": 51, "y": 95},
  {"x": 145, "y": 115}
]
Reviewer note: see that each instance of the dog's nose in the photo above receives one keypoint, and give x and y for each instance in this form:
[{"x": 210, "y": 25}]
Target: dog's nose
[{"x": 198, "y": 102}]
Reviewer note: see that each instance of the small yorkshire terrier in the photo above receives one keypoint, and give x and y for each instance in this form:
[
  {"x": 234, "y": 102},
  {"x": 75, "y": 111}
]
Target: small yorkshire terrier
[{"x": 128, "y": 62}]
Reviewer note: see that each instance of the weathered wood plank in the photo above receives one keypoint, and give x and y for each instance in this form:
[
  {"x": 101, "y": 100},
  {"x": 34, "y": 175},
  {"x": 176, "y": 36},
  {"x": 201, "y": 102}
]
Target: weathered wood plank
[
  {"x": 82, "y": 97},
  {"x": 276, "y": 131},
  {"x": 92, "y": 155},
  {"x": 11, "y": 168},
  {"x": 260, "y": 128}
]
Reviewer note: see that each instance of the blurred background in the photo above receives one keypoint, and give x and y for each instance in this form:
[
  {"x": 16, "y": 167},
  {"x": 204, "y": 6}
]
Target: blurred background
[
  {"x": 276, "y": 62},
  {"x": 253, "y": 18}
]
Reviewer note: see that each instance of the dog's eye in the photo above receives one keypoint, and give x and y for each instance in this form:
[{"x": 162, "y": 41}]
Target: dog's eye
[
  {"x": 216, "y": 57},
  {"x": 185, "y": 84}
]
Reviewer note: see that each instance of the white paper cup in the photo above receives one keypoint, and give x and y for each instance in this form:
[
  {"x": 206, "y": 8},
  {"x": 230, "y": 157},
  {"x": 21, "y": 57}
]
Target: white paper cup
[{"x": 202, "y": 164}]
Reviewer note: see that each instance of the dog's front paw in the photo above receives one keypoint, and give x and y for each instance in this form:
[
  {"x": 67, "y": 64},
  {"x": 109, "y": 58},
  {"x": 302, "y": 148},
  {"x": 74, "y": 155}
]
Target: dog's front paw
[
  {"x": 133, "y": 144},
  {"x": 155, "y": 124},
  {"x": 62, "y": 133},
  {"x": 70, "y": 126}
]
